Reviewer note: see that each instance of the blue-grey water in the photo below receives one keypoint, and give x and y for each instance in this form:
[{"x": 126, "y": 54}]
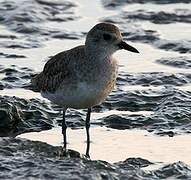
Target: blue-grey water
[{"x": 142, "y": 130}]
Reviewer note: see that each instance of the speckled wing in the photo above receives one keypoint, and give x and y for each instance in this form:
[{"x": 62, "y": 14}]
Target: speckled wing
[{"x": 57, "y": 70}]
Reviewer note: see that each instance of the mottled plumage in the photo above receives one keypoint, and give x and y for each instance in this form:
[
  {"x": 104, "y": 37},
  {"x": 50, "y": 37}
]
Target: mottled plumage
[
  {"x": 83, "y": 77},
  {"x": 59, "y": 69}
]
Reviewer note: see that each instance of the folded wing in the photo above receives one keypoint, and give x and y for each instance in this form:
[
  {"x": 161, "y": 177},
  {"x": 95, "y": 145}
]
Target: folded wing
[{"x": 56, "y": 70}]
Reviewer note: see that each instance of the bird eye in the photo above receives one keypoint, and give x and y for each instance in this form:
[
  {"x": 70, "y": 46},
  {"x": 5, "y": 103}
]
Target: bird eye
[{"x": 106, "y": 37}]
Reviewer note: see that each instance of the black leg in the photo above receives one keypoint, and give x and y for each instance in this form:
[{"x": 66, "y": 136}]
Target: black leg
[
  {"x": 87, "y": 131},
  {"x": 64, "y": 127}
]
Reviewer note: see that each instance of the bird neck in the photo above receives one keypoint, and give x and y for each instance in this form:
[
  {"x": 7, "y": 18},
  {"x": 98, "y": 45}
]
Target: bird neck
[{"x": 97, "y": 53}]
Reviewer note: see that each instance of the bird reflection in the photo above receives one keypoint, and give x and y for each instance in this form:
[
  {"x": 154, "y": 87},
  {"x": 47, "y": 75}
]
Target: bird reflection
[
  {"x": 88, "y": 147},
  {"x": 73, "y": 153}
]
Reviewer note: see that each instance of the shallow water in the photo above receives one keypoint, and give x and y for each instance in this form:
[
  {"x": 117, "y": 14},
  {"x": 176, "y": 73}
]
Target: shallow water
[
  {"x": 113, "y": 145},
  {"x": 147, "y": 115}
]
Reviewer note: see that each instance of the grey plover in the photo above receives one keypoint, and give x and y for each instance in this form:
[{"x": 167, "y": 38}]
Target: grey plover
[{"x": 82, "y": 77}]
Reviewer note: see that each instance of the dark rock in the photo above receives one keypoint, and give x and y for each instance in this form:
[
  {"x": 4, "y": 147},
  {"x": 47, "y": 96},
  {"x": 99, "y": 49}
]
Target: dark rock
[
  {"x": 134, "y": 32},
  {"x": 134, "y": 162},
  {"x": 16, "y": 77},
  {"x": 178, "y": 62},
  {"x": 170, "y": 111},
  {"x": 155, "y": 78},
  {"x": 19, "y": 115},
  {"x": 5, "y": 36},
  {"x": 1, "y": 86},
  {"x": 29, "y": 18},
  {"x": 178, "y": 170},
  {"x": 114, "y": 4},
  {"x": 26, "y": 159},
  {"x": 20, "y": 45},
  {"x": 182, "y": 46},
  {"x": 161, "y": 17}
]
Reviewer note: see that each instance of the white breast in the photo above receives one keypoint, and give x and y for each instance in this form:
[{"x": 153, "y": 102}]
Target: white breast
[{"x": 84, "y": 96}]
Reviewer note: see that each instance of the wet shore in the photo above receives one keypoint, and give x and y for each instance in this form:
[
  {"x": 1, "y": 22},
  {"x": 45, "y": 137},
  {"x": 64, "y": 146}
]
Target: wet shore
[{"x": 141, "y": 131}]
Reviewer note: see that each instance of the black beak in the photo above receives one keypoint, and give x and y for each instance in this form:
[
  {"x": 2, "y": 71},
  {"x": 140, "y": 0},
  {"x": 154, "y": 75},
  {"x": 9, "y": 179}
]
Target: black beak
[{"x": 124, "y": 45}]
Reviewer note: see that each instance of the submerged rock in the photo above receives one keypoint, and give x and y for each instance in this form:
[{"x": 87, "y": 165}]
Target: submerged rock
[
  {"x": 25, "y": 44},
  {"x": 132, "y": 31},
  {"x": 181, "y": 46},
  {"x": 129, "y": 23},
  {"x": 24, "y": 159},
  {"x": 134, "y": 162},
  {"x": 114, "y": 4},
  {"x": 157, "y": 78},
  {"x": 161, "y": 17},
  {"x": 11, "y": 55},
  {"x": 178, "y": 62},
  {"x": 170, "y": 111},
  {"x": 16, "y": 77},
  {"x": 31, "y": 18},
  {"x": 27, "y": 16}
]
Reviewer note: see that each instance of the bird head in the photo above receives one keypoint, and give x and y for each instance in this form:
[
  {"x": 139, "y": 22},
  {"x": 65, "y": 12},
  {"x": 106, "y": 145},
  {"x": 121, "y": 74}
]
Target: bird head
[{"x": 106, "y": 37}]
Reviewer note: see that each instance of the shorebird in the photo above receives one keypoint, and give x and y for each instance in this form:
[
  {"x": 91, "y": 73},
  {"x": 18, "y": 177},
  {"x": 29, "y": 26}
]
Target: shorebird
[{"x": 83, "y": 76}]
